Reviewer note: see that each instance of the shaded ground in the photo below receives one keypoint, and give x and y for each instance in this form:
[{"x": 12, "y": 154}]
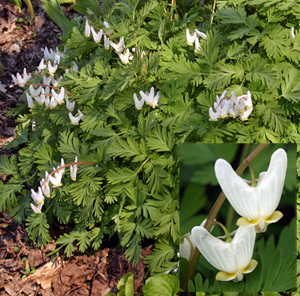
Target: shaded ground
[{"x": 20, "y": 47}]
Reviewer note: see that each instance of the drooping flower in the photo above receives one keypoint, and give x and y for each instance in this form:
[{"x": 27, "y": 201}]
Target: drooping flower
[
  {"x": 45, "y": 187},
  {"x": 293, "y": 33},
  {"x": 59, "y": 97},
  {"x": 38, "y": 198},
  {"x": 42, "y": 66},
  {"x": 257, "y": 204},
  {"x": 190, "y": 38},
  {"x": 51, "y": 69},
  {"x": 21, "y": 79},
  {"x": 106, "y": 42},
  {"x": 87, "y": 30},
  {"x": 233, "y": 258},
  {"x": 138, "y": 104},
  {"x": 125, "y": 57},
  {"x": 73, "y": 170},
  {"x": 70, "y": 105},
  {"x": 56, "y": 180},
  {"x": 75, "y": 120},
  {"x": 35, "y": 92},
  {"x": 97, "y": 36},
  {"x": 149, "y": 98},
  {"x": 201, "y": 34},
  {"x": 118, "y": 47},
  {"x": 29, "y": 100}
]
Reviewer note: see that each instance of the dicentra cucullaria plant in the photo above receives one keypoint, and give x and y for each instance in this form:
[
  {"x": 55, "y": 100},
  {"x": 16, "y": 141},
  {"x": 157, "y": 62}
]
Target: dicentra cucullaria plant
[{"x": 129, "y": 84}]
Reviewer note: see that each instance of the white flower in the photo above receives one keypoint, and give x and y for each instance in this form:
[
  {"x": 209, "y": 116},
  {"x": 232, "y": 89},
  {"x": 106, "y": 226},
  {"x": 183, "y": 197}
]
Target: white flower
[
  {"x": 293, "y": 33},
  {"x": 29, "y": 100},
  {"x": 57, "y": 58},
  {"x": 53, "y": 103},
  {"x": 256, "y": 204},
  {"x": 107, "y": 26},
  {"x": 186, "y": 247},
  {"x": 149, "y": 98},
  {"x": 97, "y": 36},
  {"x": 45, "y": 187},
  {"x": 35, "y": 92},
  {"x": 62, "y": 163},
  {"x": 118, "y": 47},
  {"x": 197, "y": 45},
  {"x": 213, "y": 116},
  {"x": 125, "y": 57},
  {"x": 49, "y": 55},
  {"x": 70, "y": 105},
  {"x": 73, "y": 170},
  {"x": 37, "y": 209},
  {"x": 75, "y": 120},
  {"x": 56, "y": 180},
  {"x": 59, "y": 97},
  {"x": 106, "y": 42},
  {"x": 21, "y": 79},
  {"x": 233, "y": 259},
  {"x": 75, "y": 67},
  {"x": 190, "y": 38},
  {"x": 201, "y": 34},
  {"x": 47, "y": 80},
  {"x": 42, "y": 66},
  {"x": 244, "y": 115},
  {"x": 38, "y": 197},
  {"x": 51, "y": 69},
  {"x": 87, "y": 31},
  {"x": 138, "y": 104}
]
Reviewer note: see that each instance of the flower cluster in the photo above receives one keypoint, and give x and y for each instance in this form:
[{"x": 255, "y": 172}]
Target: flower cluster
[
  {"x": 55, "y": 179},
  {"x": 120, "y": 48},
  {"x": 147, "y": 98},
  {"x": 50, "y": 95},
  {"x": 195, "y": 38},
  {"x": 256, "y": 204},
  {"x": 231, "y": 106}
]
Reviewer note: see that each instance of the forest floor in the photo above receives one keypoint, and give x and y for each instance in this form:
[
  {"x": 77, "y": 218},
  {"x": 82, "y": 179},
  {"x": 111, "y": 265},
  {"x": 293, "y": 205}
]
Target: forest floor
[{"x": 26, "y": 269}]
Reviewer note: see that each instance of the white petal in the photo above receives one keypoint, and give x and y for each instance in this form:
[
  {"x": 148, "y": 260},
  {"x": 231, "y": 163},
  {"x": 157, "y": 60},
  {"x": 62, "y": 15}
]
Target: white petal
[
  {"x": 271, "y": 185},
  {"x": 216, "y": 252},
  {"x": 241, "y": 196},
  {"x": 243, "y": 244}
]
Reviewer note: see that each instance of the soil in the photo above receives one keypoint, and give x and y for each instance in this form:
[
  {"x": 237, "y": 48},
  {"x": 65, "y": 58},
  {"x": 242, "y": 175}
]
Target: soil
[{"x": 21, "y": 43}]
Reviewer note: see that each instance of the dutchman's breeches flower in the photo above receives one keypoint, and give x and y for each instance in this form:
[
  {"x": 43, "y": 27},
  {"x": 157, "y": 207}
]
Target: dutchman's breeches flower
[
  {"x": 233, "y": 259},
  {"x": 256, "y": 204}
]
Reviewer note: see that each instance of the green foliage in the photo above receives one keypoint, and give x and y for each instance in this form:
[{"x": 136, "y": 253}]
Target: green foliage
[{"x": 130, "y": 186}]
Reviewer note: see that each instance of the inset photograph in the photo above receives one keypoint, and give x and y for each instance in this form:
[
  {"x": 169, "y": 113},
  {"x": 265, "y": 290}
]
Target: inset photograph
[{"x": 238, "y": 218}]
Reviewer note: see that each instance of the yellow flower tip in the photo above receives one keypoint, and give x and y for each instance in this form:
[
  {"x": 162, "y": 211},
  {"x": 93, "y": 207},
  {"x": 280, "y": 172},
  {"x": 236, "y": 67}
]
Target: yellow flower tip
[
  {"x": 277, "y": 215},
  {"x": 225, "y": 276},
  {"x": 58, "y": 185},
  {"x": 245, "y": 222},
  {"x": 73, "y": 179},
  {"x": 250, "y": 267}
]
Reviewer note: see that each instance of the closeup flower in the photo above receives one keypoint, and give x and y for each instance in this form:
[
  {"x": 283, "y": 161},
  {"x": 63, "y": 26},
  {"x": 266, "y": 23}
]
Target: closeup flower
[
  {"x": 256, "y": 204},
  {"x": 70, "y": 105},
  {"x": 35, "y": 92},
  {"x": 233, "y": 258},
  {"x": 56, "y": 180}
]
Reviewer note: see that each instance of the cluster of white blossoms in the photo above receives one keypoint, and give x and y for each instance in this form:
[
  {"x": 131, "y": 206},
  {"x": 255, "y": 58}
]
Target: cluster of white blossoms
[
  {"x": 149, "y": 98},
  {"x": 120, "y": 48},
  {"x": 257, "y": 206},
  {"x": 231, "y": 106},
  {"x": 194, "y": 38},
  {"x": 50, "y": 95},
  {"x": 55, "y": 179}
]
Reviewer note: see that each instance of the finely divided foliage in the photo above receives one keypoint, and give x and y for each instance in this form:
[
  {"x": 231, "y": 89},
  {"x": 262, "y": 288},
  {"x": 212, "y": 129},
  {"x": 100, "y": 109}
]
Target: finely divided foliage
[{"x": 132, "y": 192}]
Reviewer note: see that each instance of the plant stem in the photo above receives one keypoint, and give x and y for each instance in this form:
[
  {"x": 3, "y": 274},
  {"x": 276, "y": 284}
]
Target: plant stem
[
  {"x": 195, "y": 256},
  {"x": 30, "y": 8}
]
